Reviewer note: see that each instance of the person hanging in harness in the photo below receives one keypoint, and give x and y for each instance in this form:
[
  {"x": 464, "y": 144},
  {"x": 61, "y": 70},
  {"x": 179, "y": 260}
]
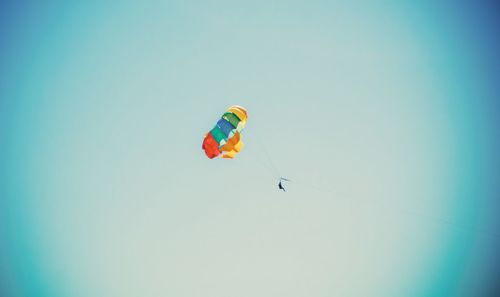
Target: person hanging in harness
[{"x": 280, "y": 185}]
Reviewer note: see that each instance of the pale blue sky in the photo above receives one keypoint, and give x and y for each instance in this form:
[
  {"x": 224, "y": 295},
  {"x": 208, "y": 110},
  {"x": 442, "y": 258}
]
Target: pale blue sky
[{"x": 367, "y": 108}]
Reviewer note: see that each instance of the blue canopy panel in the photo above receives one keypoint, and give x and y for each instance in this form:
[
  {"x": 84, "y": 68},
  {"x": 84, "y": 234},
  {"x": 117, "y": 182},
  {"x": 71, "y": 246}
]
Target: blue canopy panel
[{"x": 225, "y": 126}]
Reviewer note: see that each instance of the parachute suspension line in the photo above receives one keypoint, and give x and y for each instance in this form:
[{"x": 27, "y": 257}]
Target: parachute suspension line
[
  {"x": 262, "y": 162},
  {"x": 267, "y": 161},
  {"x": 270, "y": 163},
  {"x": 270, "y": 160}
]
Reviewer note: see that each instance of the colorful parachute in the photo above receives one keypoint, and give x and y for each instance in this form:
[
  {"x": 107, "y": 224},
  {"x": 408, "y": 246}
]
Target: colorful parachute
[{"x": 225, "y": 138}]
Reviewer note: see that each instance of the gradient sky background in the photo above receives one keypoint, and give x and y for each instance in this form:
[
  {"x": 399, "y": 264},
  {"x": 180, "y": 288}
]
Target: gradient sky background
[{"x": 385, "y": 117}]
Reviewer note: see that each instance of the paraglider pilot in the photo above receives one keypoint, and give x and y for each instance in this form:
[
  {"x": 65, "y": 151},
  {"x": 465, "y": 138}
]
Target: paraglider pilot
[{"x": 280, "y": 185}]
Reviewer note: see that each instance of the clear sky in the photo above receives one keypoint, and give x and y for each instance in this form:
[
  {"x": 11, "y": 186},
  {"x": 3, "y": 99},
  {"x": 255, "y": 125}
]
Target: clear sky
[{"x": 385, "y": 117}]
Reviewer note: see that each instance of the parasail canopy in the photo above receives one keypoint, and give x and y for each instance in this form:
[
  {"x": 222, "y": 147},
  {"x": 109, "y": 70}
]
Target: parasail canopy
[{"x": 224, "y": 139}]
